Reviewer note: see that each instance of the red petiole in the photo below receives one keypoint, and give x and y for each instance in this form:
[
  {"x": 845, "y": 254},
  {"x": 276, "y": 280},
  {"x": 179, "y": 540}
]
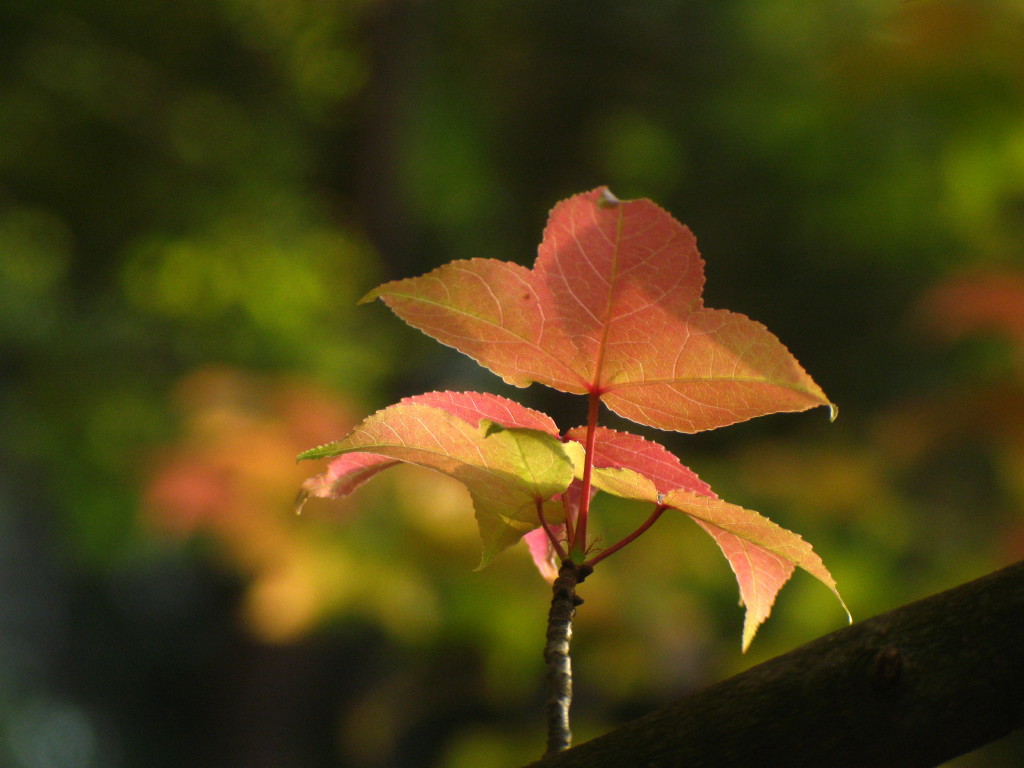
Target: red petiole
[
  {"x": 576, "y": 537},
  {"x": 626, "y": 540},
  {"x": 578, "y": 544}
]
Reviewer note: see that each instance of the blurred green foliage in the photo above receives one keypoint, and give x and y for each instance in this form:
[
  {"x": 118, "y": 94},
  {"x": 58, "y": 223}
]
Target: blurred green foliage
[{"x": 194, "y": 195}]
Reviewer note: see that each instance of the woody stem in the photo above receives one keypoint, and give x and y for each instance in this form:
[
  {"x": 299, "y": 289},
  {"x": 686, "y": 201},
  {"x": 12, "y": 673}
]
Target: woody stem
[{"x": 556, "y": 653}]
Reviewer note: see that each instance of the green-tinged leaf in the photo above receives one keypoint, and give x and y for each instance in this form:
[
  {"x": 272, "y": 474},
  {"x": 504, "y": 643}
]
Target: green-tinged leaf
[{"x": 508, "y": 471}]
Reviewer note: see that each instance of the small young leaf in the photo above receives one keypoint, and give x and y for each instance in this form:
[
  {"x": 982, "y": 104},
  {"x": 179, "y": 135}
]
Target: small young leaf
[
  {"x": 541, "y": 550},
  {"x": 543, "y": 554},
  {"x": 507, "y": 469},
  {"x": 543, "y": 468},
  {"x": 612, "y": 306}
]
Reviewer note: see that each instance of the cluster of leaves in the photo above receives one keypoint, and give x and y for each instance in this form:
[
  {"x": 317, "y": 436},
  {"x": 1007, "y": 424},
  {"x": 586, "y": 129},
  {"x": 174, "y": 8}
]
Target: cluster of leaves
[{"x": 612, "y": 310}]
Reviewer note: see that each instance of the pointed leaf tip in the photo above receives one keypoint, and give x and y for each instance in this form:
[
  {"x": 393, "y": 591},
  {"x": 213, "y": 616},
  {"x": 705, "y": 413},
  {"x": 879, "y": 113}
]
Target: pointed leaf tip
[
  {"x": 369, "y": 296},
  {"x": 607, "y": 199},
  {"x": 325, "y": 451}
]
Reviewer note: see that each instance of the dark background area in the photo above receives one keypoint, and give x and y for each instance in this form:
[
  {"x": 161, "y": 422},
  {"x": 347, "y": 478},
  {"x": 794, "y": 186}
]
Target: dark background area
[{"x": 194, "y": 195}]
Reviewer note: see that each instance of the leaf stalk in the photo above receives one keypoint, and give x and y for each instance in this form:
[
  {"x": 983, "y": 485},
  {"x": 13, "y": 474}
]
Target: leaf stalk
[
  {"x": 658, "y": 510},
  {"x": 578, "y": 545},
  {"x": 555, "y": 543}
]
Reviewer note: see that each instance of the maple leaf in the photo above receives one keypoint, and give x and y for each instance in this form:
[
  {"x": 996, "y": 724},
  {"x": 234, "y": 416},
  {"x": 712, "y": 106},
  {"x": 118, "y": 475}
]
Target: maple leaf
[
  {"x": 612, "y": 307},
  {"x": 509, "y": 457},
  {"x": 761, "y": 553},
  {"x": 760, "y": 571}
]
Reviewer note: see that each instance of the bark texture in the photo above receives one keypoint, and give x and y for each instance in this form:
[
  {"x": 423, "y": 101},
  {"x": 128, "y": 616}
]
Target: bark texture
[
  {"x": 556, "y": 654},
  {"x": 911, "y": 688}
]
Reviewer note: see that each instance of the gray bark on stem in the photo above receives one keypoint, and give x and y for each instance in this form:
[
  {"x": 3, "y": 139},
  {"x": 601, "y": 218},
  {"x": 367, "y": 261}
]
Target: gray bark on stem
[{"x": 556, "y": 654}]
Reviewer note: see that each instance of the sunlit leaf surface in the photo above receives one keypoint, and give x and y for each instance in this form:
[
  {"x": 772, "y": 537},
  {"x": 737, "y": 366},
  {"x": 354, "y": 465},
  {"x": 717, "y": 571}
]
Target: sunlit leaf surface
[{"x": 612, "y": 306}]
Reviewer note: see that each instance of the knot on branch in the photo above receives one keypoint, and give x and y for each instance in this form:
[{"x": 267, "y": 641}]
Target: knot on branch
[{"x": 887, "y": 669}]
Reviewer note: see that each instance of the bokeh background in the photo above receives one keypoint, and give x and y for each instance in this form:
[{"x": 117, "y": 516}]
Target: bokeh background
[{"x": 193, "y": 196}]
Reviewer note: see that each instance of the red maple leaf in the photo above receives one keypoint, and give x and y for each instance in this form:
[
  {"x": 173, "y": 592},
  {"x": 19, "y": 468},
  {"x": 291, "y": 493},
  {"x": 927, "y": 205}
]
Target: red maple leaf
[{"x": 612, "y": 307}]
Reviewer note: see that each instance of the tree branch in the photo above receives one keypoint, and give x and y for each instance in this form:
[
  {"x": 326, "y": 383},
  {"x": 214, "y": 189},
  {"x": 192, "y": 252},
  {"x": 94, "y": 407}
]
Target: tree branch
[{"x": 911, "y": 688}]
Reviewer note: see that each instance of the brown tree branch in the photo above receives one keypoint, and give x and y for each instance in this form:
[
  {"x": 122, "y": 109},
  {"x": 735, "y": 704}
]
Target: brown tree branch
[{"x": 911, "y": 688}]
